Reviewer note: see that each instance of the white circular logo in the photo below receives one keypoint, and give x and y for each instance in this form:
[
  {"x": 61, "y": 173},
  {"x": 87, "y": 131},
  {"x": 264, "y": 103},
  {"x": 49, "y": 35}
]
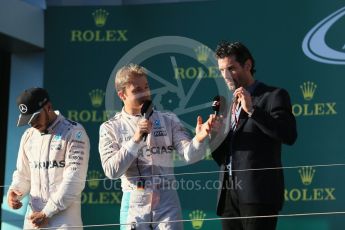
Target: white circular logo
[
  {"x": 185, "y": 91},
  {"x": 23, "y": 108}
]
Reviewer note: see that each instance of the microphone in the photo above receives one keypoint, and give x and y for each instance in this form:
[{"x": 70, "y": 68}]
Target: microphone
[
  {"x": 146, "y": 111},
  {"x": 216, "y": 105},
  {"x": 219, "y": 105}
]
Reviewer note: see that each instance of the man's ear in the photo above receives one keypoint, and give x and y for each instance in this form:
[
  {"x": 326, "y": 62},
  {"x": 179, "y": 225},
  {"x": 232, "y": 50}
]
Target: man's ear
[
  {"x": 121, "y": 95},
  {"x": 49, "y": 106},
  {"x": 248, "y": 65}
]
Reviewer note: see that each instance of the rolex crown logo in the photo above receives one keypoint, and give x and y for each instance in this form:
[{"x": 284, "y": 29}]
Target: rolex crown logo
[
  {"x": 97, "y": 97},
  {"x": 202, "y": 52},
  {"x": 197, "y": 217},
  {"x": 307, "y": 174},
  {"x": 93, "y": 179},
  {"x": 100, "y": 17},
  {"x": 308, "y": 89}
]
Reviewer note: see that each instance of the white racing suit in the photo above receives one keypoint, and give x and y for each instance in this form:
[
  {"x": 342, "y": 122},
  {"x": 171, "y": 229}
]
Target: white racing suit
[
  {"x": 52, "y": 169},
  {"x": 154, "y": 199}
]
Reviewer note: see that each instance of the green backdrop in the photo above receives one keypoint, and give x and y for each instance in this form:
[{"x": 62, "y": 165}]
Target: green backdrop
[{"x": 173, "y": 41}]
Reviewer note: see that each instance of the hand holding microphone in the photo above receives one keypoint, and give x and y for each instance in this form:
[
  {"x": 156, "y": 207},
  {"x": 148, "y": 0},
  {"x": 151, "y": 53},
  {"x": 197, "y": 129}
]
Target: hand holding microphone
[
  {"x": 243, "y": 96},
  {"x": 144, "y": 125}
]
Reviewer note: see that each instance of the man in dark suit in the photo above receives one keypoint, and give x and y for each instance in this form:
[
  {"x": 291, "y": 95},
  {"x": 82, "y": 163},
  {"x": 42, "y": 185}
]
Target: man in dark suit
[{"x": 250, "y": 155}]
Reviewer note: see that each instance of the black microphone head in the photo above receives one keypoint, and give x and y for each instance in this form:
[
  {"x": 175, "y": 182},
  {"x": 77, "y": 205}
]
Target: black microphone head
[
  {"x": 219, "y": 105},
  {"x": 216, "y": 104},
  {"x": 147, "y": 108}
]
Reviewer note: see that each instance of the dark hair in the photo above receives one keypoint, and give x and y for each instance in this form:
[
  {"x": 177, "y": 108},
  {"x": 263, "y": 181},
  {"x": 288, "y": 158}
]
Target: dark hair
[{"x": 236, "y": 49}]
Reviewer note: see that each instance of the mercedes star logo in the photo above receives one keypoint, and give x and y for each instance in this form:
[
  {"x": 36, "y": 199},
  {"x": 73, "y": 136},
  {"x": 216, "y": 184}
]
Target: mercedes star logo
[{"x": 23, "y": 108}]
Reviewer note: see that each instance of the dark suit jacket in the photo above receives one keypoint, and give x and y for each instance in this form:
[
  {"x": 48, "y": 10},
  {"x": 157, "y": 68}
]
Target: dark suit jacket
[{"x": 257, "y": 143}]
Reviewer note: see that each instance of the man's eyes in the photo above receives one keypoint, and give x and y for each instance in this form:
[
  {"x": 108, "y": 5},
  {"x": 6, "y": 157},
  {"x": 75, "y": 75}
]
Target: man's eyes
[{"x": 140, "y": 90}]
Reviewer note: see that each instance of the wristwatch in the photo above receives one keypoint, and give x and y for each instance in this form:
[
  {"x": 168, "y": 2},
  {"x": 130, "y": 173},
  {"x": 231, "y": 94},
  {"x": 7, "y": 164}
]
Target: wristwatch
[{"x": 250, "y": 112}]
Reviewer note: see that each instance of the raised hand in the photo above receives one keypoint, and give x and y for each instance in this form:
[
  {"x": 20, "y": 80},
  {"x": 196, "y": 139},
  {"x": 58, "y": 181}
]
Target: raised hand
[
  {"x": 244, "y": 97},
  {"x": 202, "y": 130}
]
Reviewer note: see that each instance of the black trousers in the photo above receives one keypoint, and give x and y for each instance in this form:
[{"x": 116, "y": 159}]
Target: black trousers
[{"x": 232, "y": 208}]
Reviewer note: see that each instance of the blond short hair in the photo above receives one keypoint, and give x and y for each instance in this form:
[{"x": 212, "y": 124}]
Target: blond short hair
[{"x": 123, "y": 76}]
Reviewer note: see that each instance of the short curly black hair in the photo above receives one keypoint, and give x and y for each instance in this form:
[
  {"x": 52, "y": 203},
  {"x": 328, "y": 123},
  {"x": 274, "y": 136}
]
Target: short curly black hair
[{"x": 236, "y": 49}]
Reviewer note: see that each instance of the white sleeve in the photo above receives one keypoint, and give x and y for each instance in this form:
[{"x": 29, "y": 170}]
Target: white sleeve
[
  {"x": 21, "y": 180},
  {"x": 192, "y": 150},
  {"x": 74, "y": 175},
  {"x": 115, "y": 159}
]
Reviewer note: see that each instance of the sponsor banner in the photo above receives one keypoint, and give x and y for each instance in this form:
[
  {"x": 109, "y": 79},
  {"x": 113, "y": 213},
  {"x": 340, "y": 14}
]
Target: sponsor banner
[{"x": 85, "y": 46}]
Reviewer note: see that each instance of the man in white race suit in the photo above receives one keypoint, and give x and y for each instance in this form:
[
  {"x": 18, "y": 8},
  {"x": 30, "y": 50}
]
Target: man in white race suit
[
  {"x": 146, "y": 165},
  {"x": 51, "y": 165}
]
